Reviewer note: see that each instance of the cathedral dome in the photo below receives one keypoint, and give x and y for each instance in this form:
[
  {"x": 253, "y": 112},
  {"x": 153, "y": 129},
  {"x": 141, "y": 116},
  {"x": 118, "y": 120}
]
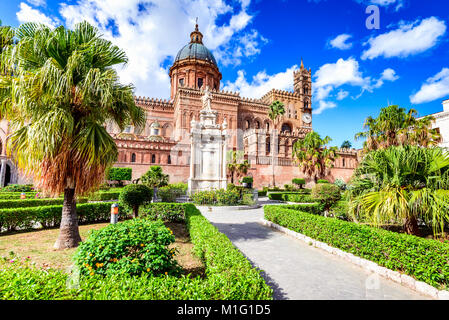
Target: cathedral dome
[{"x": 195, "y": 51}]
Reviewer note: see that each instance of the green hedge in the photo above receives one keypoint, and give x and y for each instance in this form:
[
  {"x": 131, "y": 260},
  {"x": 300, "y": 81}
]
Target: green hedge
[
  {"x": 229, "y": 276},
  {"x": 16, "y": 195},
  {"x": 104, "y": 196},
  {"x": 50, "y": 216},
  {"x": 279, "y": 195},
  {"x": 18, "y": 188},
  {"x": 26, "y": 203},
  {"x": 262, "y": 193},
  {"x": 314, "y": 208},
  {"x": 170, "y": 212},
  {"x": 299, "y": 198},
  {"x": 425, "y": 259}
]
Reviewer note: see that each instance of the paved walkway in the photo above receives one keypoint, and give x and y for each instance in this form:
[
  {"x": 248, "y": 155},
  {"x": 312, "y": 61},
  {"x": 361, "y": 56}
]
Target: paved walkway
[{"x": 296, "y": 270}]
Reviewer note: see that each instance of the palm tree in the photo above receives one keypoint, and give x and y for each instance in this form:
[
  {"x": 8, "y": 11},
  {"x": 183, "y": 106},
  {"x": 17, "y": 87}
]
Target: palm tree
[
  {"x": 237, "y": 167},
  {"x": 314, "y": 158},
  {"x": 155, "y": 178},
  {"x": 6, "y": 36},
  {"x": 402, "y": 185},
  {"x": 395, "y": 126},
  {"x": 276, "y": 112},
  {"x": 65, "y": 88},
  {"x": 346, "y": 145}
]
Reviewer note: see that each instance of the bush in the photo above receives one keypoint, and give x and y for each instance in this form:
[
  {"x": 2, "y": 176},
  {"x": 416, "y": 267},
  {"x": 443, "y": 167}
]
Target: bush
[
  {"x": 280, "y": 195},
  {"x": 132, "y": 247},
  {"x": 50, "y": 216},
  {"x": 299, "y": 182},
  {"x": 119, "y": 175},
  {"x": 170, "y": 192},
  {"x": 247, "y": 179},
  {"x": 289, "y": 187},
  {"x": 424, "y": 259},
  {"x": 170, "y": 212},
  {"x": 326, "y": 193},
  {"x": 262, "y": 193},
  {"x": 314, "y": 208},
  {"x": 155, "y": 178},
  {"x": 322, "y": 181},
  {"x": 16, "y": 195},
  {"x": 341, "y": 184},
  {"x": 230, "y": 276},
  {"x": 219, "y": 197},
  {"x": 299, "y": 198},
  {"x": 135, "y": 195},
  {"x": 104, "y": 196},
  {"x": 18, "y": 188},
  {"x": 26, "y": 203},
  {"x": 340, "y": 210},
  {"x": 247, "y": 199}
]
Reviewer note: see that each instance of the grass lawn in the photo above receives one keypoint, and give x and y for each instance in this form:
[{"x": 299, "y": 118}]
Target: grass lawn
[{"x": 38, "y": 245}]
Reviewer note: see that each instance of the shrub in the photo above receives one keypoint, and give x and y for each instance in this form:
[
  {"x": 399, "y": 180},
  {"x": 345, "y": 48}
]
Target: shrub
[
  {"x": 18, "y": 188},
  {"x": 10, "y": 204},
  {"x": 300, "y": 198},
  {"x": 247, "y": 199},
  {"x": 289, "y": 187},
  {"x": 170, "y": 192},
  {"x": 135, "y": 195},
  {"x": 154, "y": 177},
  {"x": 50, "y": 216},
  {"x": 16, "y": 195},
  {"x": 314, "y": 208},
  {"x": 322, "y": 181},
  {"x": 132, "y": 247},
  {"x": 119, "y": 175},
  {"x": 247, "y": 179},
  {"x": 340, "y": 210},
  {"x": 424, "y": 259},
  {"x": 327, "y": 193},
  {"x": 280, "y": 195},
  {"x": 219, "y": 197},
  {"x": 262, "y": 193},
  {"x": 104, "y": 195},
  {"x": 170, "y": 212},
  {"x": 341, "y": 184},
  {"x": 299, "y": 182}
]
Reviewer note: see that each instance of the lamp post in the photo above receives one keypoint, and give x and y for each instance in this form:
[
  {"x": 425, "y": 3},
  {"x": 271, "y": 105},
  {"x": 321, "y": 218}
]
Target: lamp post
[
  {"x": 114, "y": 213},
  {"x": 23, "y": 195}
]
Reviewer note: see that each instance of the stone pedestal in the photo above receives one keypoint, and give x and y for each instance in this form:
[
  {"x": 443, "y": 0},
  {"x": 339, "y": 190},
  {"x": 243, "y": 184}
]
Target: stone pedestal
[{"x": 208, "y": 150}]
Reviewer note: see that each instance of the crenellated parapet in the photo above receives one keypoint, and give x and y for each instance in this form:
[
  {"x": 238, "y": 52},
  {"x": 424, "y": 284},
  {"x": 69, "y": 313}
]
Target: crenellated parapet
[
  {"x": 276, "y": 94},
  {"x": 153, "y": 103}
]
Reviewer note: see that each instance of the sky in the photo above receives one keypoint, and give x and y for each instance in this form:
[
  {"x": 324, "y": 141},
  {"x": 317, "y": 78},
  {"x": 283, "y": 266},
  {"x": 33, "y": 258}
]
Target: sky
[{"x": 359, "y": 64}]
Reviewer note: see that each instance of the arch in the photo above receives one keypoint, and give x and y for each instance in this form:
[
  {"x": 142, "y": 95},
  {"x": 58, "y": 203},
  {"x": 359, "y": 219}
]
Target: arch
[
  {"x": 257, "y": 123},
  {"x": 267, "y": 125},
  {"x": 133, "y": 157},
  {"x": 8, "y": 174},
  {"x": 267, "y": 145},
  {"x": 286, "y": 127},
  {"x": 153, "y": 158},
  {"x": 167, "y": 130}
]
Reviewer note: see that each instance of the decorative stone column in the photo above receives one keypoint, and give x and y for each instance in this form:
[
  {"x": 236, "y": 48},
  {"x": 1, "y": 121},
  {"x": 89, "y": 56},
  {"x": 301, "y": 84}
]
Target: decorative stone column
[{"x": 208, "y": 150}]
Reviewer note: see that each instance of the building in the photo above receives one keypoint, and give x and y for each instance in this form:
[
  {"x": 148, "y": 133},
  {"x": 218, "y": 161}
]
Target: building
[
  {"x": 165, "y": 138},
  {"x": 442, "y": 124}
]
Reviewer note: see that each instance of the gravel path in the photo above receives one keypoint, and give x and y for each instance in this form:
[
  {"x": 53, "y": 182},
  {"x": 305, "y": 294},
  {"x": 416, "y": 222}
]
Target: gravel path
[{"x": 296, "y": 270}]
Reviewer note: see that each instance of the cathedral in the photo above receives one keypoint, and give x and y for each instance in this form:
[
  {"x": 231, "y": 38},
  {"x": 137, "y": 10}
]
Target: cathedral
[{"x": 165, "y": 138}]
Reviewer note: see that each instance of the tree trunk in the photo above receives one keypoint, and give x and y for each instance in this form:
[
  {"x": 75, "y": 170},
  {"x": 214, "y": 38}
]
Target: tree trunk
[
  {"x": 135, "y": 211},
  {"x": 69, "y": 236},
  {"x": 411, "y": 226}
]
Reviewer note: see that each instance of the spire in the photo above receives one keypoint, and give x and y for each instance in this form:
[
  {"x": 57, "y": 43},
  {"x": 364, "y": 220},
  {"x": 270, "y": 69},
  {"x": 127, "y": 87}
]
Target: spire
[
  {"x": 302, "y": 64},
  {"x": 196, "y": 36}
]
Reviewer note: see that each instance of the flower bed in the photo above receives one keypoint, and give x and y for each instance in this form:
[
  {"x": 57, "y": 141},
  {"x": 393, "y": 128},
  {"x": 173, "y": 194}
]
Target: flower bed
[
  {"x": 425, "y": 259},
  {"x": 229, "y": 276}
]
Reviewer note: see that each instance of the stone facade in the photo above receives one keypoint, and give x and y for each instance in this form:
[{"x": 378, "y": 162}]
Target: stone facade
[
  {"x": 248, "y": 125},
  {"x": 442, "y": 124}
]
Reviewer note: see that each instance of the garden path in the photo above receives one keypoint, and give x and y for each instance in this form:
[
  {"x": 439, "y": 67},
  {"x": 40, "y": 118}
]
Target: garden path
[{"x": 296, "y": 270}]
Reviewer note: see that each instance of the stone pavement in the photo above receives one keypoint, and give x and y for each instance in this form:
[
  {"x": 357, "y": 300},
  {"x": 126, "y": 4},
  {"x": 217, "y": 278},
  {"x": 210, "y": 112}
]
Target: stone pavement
[{"x": 296, "y": 270}]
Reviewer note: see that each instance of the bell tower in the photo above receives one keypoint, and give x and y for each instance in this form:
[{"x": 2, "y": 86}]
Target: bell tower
[{"x": 302, "y": 82}]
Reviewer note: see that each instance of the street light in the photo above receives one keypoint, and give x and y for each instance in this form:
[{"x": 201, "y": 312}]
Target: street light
[
  {"x": 114, "y": 213},
  {"x": 23, "y": 195}
]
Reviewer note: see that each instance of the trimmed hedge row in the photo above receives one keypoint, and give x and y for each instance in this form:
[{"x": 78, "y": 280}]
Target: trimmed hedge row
[
  {"x": 26, "y": 203},
  {"x": 299, "y": 198},
  {"x": 50, "y": 216},
  {"x": 279, "y": 195},
  {"x": 425, "y": 259},
  {"x": 104, "y": 196},
  {"x": 230, "y": 276},
  {"x": 16, "y": 195}
]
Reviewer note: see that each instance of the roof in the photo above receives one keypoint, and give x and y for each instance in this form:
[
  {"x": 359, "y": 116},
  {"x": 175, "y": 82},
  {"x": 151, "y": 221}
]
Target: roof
[{"x": 195, "y": 51}]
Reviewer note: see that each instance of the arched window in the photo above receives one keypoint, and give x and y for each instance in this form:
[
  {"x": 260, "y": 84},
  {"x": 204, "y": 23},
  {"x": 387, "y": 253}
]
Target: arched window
[
  {"x": 343, "y": 161},
  {"x": 169, "y": 159},
  {"x": 153, "y": 158},
  {"x": 133, "y": 157},
  {"x": 257, "y": 124},
  {"x": 200, "y": 83},
  {"x": 268, "y": 146},
  {"x": 286, "y": 128},
  {"x": 247, "y": 124},
  {"x": 267, "y": 126}
]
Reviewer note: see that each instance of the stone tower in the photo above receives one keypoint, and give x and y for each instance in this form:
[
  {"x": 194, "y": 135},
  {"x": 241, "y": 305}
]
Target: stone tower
[{"x": 302, "y": 83}]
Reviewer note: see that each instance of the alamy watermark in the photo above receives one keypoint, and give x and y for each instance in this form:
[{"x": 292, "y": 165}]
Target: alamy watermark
[{"x": 373, "y": 20}]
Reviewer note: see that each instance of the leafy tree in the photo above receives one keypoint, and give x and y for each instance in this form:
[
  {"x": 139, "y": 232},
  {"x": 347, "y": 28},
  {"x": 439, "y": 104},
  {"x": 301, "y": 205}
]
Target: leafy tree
[
  {"x": 63, "y": 90},
  {"x": 402, "y": 185},
  {"x": 346, "y": 145},
  {"x": 314, "y": 158},
  {"x": 237, "y": 167},
  {"x": 299, "y": 182},
  {"x": 395, "y": 126},
  {"x": 135, "y": 195},
  {"x": 275, "y": 113},
  {"x": 119, "y": 175},
  {"x": 155, "y": 178}
]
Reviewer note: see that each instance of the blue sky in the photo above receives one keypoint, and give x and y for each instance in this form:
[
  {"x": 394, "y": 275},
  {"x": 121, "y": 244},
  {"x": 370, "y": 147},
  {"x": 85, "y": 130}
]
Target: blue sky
[{"x": 258, "y": 44}]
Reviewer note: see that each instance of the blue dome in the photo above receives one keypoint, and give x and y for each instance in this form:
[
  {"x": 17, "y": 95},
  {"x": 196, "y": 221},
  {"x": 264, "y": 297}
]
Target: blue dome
[{"x": 195, "y": 51}]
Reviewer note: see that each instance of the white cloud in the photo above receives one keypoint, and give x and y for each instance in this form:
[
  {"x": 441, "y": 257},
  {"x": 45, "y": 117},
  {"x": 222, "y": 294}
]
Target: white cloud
[
  {"x": 28, "y": 14},
  {"x": 37, "y": 3},
  {"x": 332, "y": 76},
  {"x": 434, "y": 88},
  {"x": 385, "y": 3},
  {"x": 340, "y": 42},
  {"x": 408, "y": 39},
  {"x": 153, "y": 33},
  {"x": 261, "y": 83}
]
